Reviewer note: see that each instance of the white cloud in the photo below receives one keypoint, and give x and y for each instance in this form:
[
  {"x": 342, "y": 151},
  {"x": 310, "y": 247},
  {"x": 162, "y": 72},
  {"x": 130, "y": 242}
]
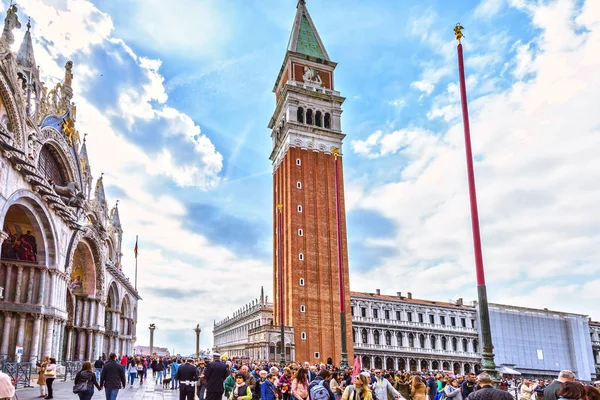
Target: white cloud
[
  {"x": 488, "y": 8},
  {"x": 536, "y": 144}
]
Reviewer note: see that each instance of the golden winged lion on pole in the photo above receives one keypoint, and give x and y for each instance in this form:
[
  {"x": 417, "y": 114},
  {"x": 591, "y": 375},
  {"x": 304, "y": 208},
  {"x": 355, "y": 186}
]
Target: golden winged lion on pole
[{"x": 458, "y": 32}]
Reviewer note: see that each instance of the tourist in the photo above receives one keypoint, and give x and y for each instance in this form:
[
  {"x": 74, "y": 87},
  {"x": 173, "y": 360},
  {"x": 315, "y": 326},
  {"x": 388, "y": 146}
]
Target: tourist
[
  {"x": 112, "y": 378},
  {"x": 262, "y": 374},
  {"x": 299, "y": 384},
  {"x": 452, "y": 390},
  {"x": 215, "y": 373},
  {"x": 160, "y": 371},
  {"x": 359, "y": 389},
  {"x": 592, "y": 393},
  {"x": 133, "y": 372},
  {"x": 468, "y": 386},
  {"x": 286, "y": 385},
  {"x": 229, "y": 383},
  {"x": 526, "y": 390},
  {"x": 241, "y": 390},
  {"x": 403, "y": 386},
  {"x": 550, "y": 393},
  {"x": 42, "y": 377},
  {"x": 248, "y": 377},
  {"x": 418, "y": 389},
  {"x": 124, "y": 361},
  {"x": 267, "y": 389},
  {"x": 50, "y": 375},
  {"x": 571, "y": 391},
  {"x": 85, "y": 375},
  {"x": 487, "y": 391},
  {"x": 141, "y": 370},
  {"x": 539, "y": 390},
  {"x": 201, "y": 382},
  {"x": 98, "y": 365},
  {"x": 7, "y": 390},
  {"x": 174, "y": 366},
  {"x": 319, "y": 388},
  {"x": 382, "y": 387},
  {"x": 335, "y": 384}
]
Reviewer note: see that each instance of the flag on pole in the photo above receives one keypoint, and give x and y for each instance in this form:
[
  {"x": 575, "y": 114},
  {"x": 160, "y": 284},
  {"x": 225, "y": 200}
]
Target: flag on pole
[{"x": 135, "y": 250}]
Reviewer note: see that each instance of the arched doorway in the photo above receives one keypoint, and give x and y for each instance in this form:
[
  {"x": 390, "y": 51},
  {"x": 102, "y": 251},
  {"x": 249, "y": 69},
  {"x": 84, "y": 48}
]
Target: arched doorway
[
  {"x": 467, "y": 368},
  {"x": 401, "y": 364},
  {"x": 435, "y": 365},
  {"x": 366, "y": 362},
  {"x": 389, "y": 364},
  {"x": 424, "y": 365},
  {"x": 477, "y": 368},
  {"x": 446, "y": 366},
  {"x": 456, "y": 368},
  {"x": 24, "y": 237},
  {"x": 378, "y": 362},
  {"x": 413, "y": 365}
]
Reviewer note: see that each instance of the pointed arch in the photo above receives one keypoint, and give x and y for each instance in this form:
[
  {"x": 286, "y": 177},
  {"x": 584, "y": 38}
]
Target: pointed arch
[
  {"x": 95, "y": 242},
  {"x": 14, "y": 118}
]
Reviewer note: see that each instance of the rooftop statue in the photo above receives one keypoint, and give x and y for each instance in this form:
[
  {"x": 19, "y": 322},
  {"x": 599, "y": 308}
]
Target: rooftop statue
[{"x": 11, "y": 22}]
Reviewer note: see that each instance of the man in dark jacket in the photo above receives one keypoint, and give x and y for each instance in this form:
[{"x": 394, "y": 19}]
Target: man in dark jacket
[
  {"x": 551, "y": 389},
  {"x": 487, "y": 390},
  {"x": 215, "y": 374},
  {"x": 468, "y": 386},
  {"x": 112, "y": 377},
  {"x": 431, "y": 386},
  {"x": 187, "y": 375},
  {"x": 98, "y": 365}
]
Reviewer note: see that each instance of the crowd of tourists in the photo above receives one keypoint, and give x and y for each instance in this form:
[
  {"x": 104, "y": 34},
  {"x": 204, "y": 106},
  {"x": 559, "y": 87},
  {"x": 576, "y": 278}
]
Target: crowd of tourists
[{"x": 221, "y": 378}]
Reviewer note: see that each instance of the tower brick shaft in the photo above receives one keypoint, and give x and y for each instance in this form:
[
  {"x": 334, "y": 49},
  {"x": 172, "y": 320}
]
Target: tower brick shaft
[{"x": 306, "y": 131}]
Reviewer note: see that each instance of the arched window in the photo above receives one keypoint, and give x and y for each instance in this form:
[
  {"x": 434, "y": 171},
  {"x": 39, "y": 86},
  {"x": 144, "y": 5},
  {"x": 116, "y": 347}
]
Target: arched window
[
  {"x": 411, "y": 340},
  {"x": 50, "y": 167},
  {"x": 399, "y": 338},
  {"x": 465, "y": 345},
  {"x": 300, "y": 114},
  {"x": 364, "y": 336},
  {"x": 475, "y": 346},
  {"x": 309, "y": 117},
  {"x": 376, "y": 337},
  {"x": 318, "y": 118},
  {"x": 422, "y": 341},
  {"x": 454, "y": 344},
  {"x": 433, "y": 342},
  {"x": 388, "y": 338},
  {"x": 353, "y": 335},
  {"x": 327, "y": 121}
]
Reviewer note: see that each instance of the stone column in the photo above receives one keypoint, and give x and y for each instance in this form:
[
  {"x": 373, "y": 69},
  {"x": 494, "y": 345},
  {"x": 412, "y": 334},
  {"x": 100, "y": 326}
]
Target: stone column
[
  {"x": 93, "y": 313},
  {"x": 9, "y": 269},
  {"x": 90, "y": 348},
  {"x": 35, "y": 340},
  {"x": 30, "y": 285},
  {"x": 48, "y": 337},
  {"x": 395, "y": 364},
  {"x": 40, "y": 299},
  {"x": 470, "y": 346},
  {"x": 6, "y": 332},
  {"x": 68, "y": 351},
  {"x": 81, "y": 345},
  {"x": 21, "y": 329},
  {"x": 19, "y": 284},
  {"x": 85, "y": 321},
  {"x": 427, "y": 342}
]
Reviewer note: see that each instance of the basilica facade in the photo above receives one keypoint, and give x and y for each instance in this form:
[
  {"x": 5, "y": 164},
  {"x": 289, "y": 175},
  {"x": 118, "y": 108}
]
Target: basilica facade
[{"x": 62, "y": 289}]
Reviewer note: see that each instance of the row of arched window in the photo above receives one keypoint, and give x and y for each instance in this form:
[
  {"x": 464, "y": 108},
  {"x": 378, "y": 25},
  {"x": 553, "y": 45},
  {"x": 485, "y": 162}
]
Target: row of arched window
[
  {"x": 314, "y": 118},
  {"x": 442, "y": 344}
]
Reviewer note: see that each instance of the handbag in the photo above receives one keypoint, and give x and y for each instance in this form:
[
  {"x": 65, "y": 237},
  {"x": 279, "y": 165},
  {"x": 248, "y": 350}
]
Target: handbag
[{"x": 81, "y": 387}]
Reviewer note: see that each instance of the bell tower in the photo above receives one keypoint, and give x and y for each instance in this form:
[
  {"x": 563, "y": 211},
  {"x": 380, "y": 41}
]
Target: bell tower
[{"x": 310, "y": 263}]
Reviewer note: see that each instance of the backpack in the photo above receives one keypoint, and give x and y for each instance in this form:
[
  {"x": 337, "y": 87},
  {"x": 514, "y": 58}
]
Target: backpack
[{"x": 318, "y": 391}]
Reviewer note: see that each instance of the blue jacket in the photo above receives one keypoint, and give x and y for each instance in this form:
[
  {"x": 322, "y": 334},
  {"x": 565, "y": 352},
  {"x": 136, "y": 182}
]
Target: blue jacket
[
  {"x": 174, "y": 368},
  {"x": 267, "y": 391}
]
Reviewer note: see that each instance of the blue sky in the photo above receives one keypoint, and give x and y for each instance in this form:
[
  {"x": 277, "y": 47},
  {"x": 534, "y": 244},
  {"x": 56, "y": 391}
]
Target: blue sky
[{"x": 176, "y": 99}]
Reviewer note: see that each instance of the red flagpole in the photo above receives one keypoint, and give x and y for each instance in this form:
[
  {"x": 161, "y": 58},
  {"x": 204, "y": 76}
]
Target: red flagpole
[
  {"x": 280, "y": 268},
  {"x": 488, "y": 363}
]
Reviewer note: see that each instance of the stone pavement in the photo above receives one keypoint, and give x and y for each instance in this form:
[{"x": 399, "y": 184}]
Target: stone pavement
[{"x": 64, "y": 390}]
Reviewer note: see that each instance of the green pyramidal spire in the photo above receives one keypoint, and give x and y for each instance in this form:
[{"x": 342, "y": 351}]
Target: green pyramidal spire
[{"x": 304, "y": 37}]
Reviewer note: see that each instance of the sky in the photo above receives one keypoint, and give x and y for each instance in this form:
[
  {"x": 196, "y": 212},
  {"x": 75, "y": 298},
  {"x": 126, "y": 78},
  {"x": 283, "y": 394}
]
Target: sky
[{"x": 176, "y": 97}]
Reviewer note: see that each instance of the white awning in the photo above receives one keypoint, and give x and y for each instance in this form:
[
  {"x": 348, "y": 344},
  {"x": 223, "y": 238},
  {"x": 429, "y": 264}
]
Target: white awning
[{"x": 508, "y": 371}]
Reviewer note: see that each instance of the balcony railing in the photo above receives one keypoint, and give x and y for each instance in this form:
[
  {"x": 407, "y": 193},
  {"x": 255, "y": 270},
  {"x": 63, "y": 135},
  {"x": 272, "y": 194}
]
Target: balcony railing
[
  {"x": 412, "y": 324},
  {"x": 398, "y": 349}
]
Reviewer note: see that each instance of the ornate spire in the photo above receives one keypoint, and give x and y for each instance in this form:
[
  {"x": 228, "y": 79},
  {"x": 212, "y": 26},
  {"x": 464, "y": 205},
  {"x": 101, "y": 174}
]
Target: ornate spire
[
  {"x": 114, "y": 216},
  {"x": 83, "y": 157},
  {"x": 25, "y": 56},
  {"x": 304, "y": 38},
  {"x": 99, "y": 194}
]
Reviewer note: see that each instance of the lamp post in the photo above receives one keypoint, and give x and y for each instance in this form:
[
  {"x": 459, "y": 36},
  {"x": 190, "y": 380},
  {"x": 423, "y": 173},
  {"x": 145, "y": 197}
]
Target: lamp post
[
  {"x": 152, "y": 327},
  {"x": 489, "y": 365},
  {"x": 197, "y": 330}
]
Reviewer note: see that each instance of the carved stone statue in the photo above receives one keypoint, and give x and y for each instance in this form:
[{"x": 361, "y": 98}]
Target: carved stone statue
[
  {"x": 311, "y": 75},
  {"x": 68, "y": 74},
  {"x": 70, "y": 194},
  {"x": 10, "y": 22}
]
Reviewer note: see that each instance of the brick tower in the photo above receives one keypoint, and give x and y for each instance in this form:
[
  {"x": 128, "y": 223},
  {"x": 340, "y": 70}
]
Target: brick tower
[{"x": 309, "y": 219}]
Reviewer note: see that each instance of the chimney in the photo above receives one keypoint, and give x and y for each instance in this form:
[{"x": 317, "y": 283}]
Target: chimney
[
  {"x": 377, "y": 291},
  {"x": 399, "y": 294},
  {"x": 409, "y": 294},
  {"x": 459, "y": 302}
]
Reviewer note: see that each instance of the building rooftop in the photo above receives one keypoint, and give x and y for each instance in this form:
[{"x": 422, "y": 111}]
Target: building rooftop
[{"x": 408, "y": 298}]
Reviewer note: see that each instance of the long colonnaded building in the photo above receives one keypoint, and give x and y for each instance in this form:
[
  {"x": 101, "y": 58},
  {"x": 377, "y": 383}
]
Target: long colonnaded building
[
  {"x": 63, "y": 291},
  {"x": 402, "y": 333}
]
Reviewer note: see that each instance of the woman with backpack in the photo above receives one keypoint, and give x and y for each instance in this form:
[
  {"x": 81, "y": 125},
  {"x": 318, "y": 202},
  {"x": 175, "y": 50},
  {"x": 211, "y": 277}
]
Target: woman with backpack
[
  {"x": 359, "y": 390},
  {"x": 452, "y": 390},
  {"x": 84, "y": 383},
  {"x": 300, "y": 385}
]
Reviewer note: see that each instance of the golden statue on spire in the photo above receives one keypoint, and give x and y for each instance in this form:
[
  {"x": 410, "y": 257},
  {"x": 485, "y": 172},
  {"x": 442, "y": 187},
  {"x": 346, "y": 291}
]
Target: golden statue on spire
[{"x": 458, "y": 32}]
